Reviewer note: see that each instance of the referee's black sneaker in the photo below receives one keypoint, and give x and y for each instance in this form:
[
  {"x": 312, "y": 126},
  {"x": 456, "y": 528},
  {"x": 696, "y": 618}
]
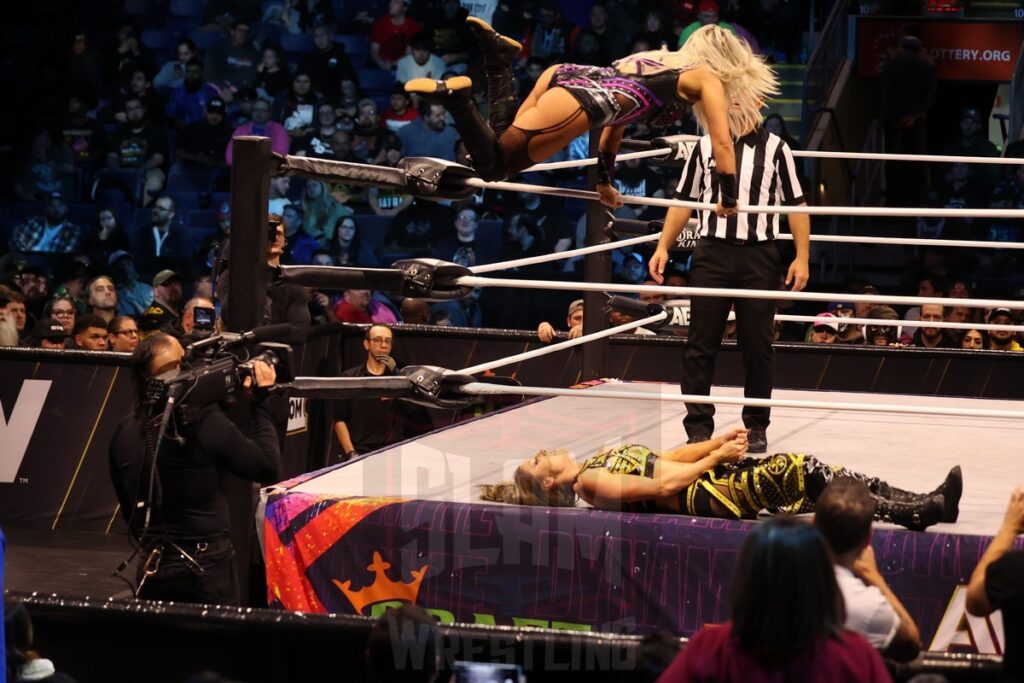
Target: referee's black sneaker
[
  {"x": 697, "y": 437},
  {"x": 757, "y": 440}
]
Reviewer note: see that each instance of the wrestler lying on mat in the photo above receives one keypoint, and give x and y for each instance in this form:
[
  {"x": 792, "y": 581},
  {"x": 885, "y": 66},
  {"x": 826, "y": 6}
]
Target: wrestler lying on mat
[{"x": 710, "y": 479}]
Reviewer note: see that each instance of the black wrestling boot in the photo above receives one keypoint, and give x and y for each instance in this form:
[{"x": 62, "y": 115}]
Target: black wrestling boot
[
  {"x": 916, "y": 515},
  {"x": 456, "y": 94},
  {"x": 757, "y": 440},
  {"x": 951, "y": 489},
  {"x": 500, "y": 54}
]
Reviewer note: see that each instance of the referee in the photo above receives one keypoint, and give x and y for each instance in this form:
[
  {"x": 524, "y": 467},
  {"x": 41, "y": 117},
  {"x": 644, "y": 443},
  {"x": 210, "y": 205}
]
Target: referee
[{"x": 736, "y": 251}]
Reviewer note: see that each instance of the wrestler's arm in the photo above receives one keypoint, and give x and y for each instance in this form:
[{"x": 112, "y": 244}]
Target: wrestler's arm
[
  {"x": 716, "y": 111},
  {"x": 695, "y": 451},
  {"x": 607, "y": 148},
  {"x": 608, "y": 491}
]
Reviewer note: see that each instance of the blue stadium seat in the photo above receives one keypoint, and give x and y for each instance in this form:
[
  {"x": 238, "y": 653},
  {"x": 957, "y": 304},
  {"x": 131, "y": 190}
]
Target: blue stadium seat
[
  {"x": 376, "y": 81},
  {"x": 297, "y": 43},
  {"x": 189, "y": 181},
  {"x": 160, "y": 39},
  {"x": 126, "y": 183},
  {"x": 357, "y": 47},
  {"x": 83, "y": 215},
  {"x": 373, "y": 229},
  {"x": 488, "y": 237},
  {"x": 185, "y": 201},
  {"x": 204, "y": 40},
  {"x": 140, "y": 219},
  {"x": 202, "y": 220},
  {"x": 188, "y": 8}
]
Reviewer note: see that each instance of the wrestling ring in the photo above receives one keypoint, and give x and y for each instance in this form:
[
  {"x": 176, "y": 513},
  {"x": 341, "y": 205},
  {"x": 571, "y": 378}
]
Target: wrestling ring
[{"x": 405, "y": 523}]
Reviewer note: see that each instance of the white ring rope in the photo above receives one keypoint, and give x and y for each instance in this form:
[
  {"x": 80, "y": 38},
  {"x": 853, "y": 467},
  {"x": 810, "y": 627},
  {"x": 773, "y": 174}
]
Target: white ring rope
[
  {"x": 857, "y": 156},
  {"x": 560, "y": 255},
  {"x": 482, "y": 389},
  {"x": 876, "y": 322},
  {"x": 544, "y": 350},
  {"x": 912, "y": 212},
  {"x": 474, "y": 281}
]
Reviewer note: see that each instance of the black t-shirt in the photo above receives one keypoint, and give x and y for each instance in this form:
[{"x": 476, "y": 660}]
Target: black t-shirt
[
  {"x": 199, "y": 137},
  {"x": 135, "y": 147},
  {"x": 372, "y": 422},
  {"x": 326, "y": 69},
  {"x": 86, "y": 142},
  {"x": 1004, "y": 586}
]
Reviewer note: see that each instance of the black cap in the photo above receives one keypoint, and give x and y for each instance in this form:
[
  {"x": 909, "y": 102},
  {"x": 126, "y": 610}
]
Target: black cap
[
  {"x": 997, "y": 312},
  {"x": 48, "y": 328}
]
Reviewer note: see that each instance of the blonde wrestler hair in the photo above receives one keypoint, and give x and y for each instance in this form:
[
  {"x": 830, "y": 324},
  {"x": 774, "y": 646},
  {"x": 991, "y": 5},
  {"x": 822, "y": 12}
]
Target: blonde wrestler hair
[
  {"x": 525, "y": 490},
  {"x": 747, "y": 79}
]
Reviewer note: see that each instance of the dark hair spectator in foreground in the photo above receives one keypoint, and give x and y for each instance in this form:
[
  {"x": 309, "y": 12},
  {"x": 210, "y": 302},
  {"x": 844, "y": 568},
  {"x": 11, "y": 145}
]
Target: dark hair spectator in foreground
[
  {"x": 123, "y": 334},
  {"x": 404, "y": 646},
  {"x": 24, "y": 663},
  {"x": 90, "y": 333},
  {"x": 997, "y": 584},
  {"x": 843, "y": 515},
  {"x": 787, "y": 618}
]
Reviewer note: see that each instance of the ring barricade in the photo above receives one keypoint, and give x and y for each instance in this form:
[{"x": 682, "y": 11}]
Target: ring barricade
[
  {"x": 422, "y": 177},
  {"x": 423, "y": 278}
]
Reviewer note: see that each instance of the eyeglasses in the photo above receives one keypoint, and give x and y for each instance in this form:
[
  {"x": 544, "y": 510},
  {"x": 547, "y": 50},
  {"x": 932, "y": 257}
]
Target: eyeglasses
[
  {"x": 128, "y": 333},
  {"x": 62, "y": 314},
  {"x": 383, "y": 341}
]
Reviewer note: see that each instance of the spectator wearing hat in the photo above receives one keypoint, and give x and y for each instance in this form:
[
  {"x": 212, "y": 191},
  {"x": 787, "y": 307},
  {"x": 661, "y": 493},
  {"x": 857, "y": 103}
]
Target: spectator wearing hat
[
  {"x": 972, "y": 141},
  {"x": 573, "y": 321},
  {"x": 50, "y": 334},
  {"x": 420, "y": 62},
  {"x": 101, "y": 298},
  {"x": 90, "y": 333},
  {"x": 1002, "y": 340},
  {"x": 133, "y": 296},
  {"x": 261, "y": 125},
  {"x": 882, "y": 335},
  {"x": 167, "y": 291},
  {"x": 160, "y": 242},
  {"x": 328, "y": 63},
  {"x": 123, "y": 334},
  {"x": 848, "y": 334},
  {"x": 824, "y": 329},
  {"x": 633, "y": 270},
  {"x": 391, "y": 35},
  {"x": 202, "y": 143},
  {"x": 51, "y": 232}
]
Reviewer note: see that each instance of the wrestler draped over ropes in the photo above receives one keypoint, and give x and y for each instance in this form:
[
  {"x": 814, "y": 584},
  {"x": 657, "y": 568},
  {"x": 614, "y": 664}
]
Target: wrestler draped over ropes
[
  {"x": 710, "y": 479},
  {"x": 714, "y": 73}
]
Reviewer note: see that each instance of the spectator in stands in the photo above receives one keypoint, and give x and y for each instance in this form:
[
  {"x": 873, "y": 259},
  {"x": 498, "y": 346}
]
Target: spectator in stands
[
  {"x": 882, "y": 335},
  {"x": 547, "y": 215},
  {"x": 232, "y": 65},
  {"x": 707, "y": 13},
  {"x": 385, "y": 201},
  {"x": 83, "y": 74},
  {"x": 909, "y": 85},
  {"x": 824, "y": 329},
  {"x": 975, "y": 340},
  {"x": 138, "y": 86},
  {"x": 202, "y": 286},
  {"x": 34, "y": 283},
  {"x": 633, "y": 270},
  {"x": 960, "y": 314},
  {"x": 188, "y": 314},
  {"x": 843, "y": 514},
  {"x": 973, "y": 141},
  {"x": 369, "y": 133},
  {"x": 774, "y": 123},
  {"x": 996, "y": 585},
  {"x": 341, "y": 146},
  {"x": 63, "y": 310},
  {"x": 359, "y": 307},
  {"x": 462, "y": 247},
  {"x": 787, "y": 616},
  {"x": 523, "y": 239},
  {"x": 347, "y": 103},
  {"x": 295, "y": 108},
  {"x": 188, "y": 103},
  {"x": 73, "y": 281},
  {"x": 47, "y": 169},
  {"x": 610, "y": 41},
  {"x": 328, "y": 63},
  {"x": 203, "y": 143},
  {"x": 654, "y": 33},
  {"x": 317, "y": 142},
  {"x": 50, "y": 334},
  {"x": 101, "y": 298},
  {"x": 573, "y": 321},
  {"x": 278, "y": 193},
  {"x": 272, "y": 75},
  {"x": 240, "y": 107},
  {"x": 429, "y": 135},
  {"x": 108, "y": 236},
  {"x": 291, "y": 219},
  {"x": 261, "y": 125},
  {"x": 420, "y": 62},
  {"x": 321, "y": 211},
  {"x": 415, "y": 311},
  {"x": 211, "y": 246},
  {"x": 364, "y": 425},
  {"x": 160, "y": 242},
  {"x": 167, "y": 291},
  {"x": 932, "y": 337},
  {"x": 550, "y": 37},
  {"x": 85, "y": 139},
  {"x": 399, "y": 111},
  {"x": 133, "y": 296},
  {"x": 391, "y": 35},
  {"x": 129, "y": 56},
  {"x": 14, "y": 309},
  {"x": 416, "y": 229},
  {"x": 140, "y": 145},
  {"x": 283, "y": 15},
  {"x": 348, "y": 248},
  {"x": 464, "y": 312},
  {"x": 172, "y": 73},
  {"x": 90, "y": 333},
  {"x": 123, "y": 334},
  {"x": 1002, "y": 340},
  {"x": 51, "y": 232},
  {"x": 23, "y": 662}
]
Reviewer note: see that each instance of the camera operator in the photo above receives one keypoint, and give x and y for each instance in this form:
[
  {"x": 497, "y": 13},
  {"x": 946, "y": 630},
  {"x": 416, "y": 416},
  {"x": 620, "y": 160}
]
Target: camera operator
[{"x": 185, "y": 547}]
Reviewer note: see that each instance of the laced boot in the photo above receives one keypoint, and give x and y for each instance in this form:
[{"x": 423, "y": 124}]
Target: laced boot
[
  {"x": 950, "y": 489},
  {"x": 500, "y": 54},
  {"x": 456, "y": 95},
  {"x": 915, "y": 515}
]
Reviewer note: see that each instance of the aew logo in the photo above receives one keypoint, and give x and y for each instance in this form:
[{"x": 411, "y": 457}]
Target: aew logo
[
  {"x": 382, "y": 589},
  {"x": 962, "y": 632},
  {"x": 681, "y": 149},
  {"x": 687, "y": 240},
  {"x": 16, "y": 432}
]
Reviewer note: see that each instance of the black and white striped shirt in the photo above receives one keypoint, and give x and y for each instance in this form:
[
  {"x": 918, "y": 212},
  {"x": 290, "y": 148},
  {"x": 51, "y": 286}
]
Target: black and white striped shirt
[{"x": 767, "y": 176}]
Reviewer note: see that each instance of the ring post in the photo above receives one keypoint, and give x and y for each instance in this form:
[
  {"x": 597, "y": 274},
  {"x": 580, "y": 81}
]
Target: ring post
[
  {"x": 247, "y": 257},
  {"x": 596, "y": 268}
]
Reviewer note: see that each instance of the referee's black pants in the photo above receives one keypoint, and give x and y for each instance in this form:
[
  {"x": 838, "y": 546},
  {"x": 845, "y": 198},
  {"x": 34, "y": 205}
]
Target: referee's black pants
[{"x": 718, "y": 263}]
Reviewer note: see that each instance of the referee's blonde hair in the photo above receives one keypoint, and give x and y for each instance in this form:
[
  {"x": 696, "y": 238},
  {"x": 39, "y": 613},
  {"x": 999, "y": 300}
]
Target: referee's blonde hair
[{"x": 747, "y": 79}]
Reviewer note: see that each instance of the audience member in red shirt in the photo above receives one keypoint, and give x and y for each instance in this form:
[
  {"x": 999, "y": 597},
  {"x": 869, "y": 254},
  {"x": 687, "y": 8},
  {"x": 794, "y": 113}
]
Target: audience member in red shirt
[
  {"x": 357, "y": 306},
  {"x": 787, "y": 619},
  {"x": 391, "y": 35}
]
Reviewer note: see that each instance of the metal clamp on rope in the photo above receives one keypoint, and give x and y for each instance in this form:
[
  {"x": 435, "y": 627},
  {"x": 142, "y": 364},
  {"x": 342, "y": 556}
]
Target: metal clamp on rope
[
  {"x": 437, "y": 387},
  {"x": 435, "y": 179},
  {"x": 432, "y": 279},
  {"x": 635, "y": 309}
]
